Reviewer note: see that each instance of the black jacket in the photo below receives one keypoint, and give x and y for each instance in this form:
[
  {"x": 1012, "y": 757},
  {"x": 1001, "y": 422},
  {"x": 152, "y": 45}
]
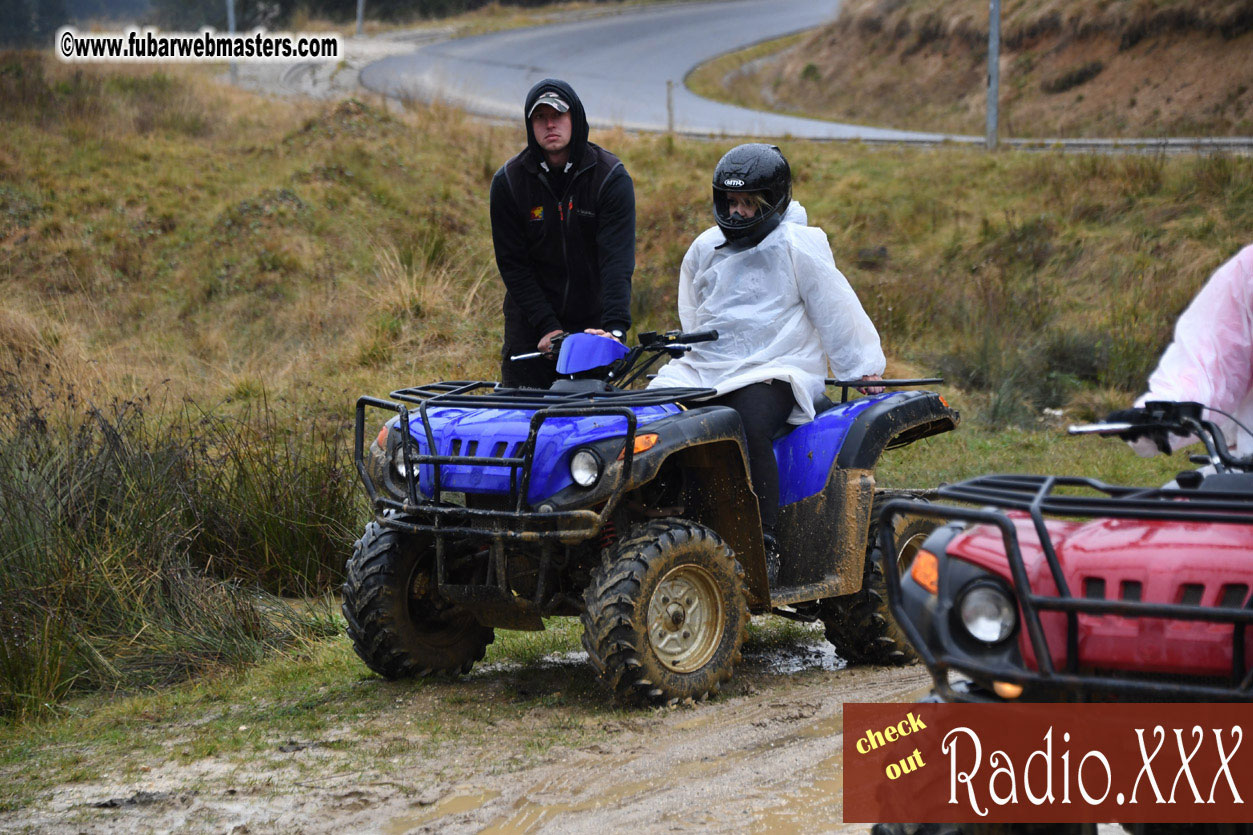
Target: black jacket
[{"x": 566, "y": 254}]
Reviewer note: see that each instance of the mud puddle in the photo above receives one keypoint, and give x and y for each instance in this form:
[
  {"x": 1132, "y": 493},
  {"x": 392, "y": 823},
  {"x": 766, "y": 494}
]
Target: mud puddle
[{"x": 773, "y": 660}]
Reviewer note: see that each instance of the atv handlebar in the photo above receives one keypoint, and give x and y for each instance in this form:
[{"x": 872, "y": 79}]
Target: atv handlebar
[
  {"x": 688, "y": 338},
  {"x": 671, "y": 341},
  {"x": 1104, "y": 428},
  {"x": 1157, "y": 420},
  {"x": 553, "y": 350}
]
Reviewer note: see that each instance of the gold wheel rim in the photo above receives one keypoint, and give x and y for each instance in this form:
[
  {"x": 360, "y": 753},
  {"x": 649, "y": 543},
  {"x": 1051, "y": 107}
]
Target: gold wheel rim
[
  {"x": 907, "y": 550},
  {"x": 686, "y": 618}
]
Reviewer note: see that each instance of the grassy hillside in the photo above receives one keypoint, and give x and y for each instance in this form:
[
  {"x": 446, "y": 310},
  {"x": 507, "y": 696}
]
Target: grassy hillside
[
  {"x": 1068, "y": 67},
  {"x": 157, "y": 226},
  {"x": 197, "y": 282}
]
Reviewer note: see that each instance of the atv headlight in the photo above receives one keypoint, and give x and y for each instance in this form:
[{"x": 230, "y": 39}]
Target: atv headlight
[
  {"x": 585, "y": 467},
  {"x": 398, "y": 462},
  {"x": 988, "y": 613}
]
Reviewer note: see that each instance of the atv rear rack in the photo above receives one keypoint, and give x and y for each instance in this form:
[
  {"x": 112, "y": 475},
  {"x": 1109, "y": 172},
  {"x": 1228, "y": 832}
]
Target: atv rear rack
[{"x": 1036, "y": 496}]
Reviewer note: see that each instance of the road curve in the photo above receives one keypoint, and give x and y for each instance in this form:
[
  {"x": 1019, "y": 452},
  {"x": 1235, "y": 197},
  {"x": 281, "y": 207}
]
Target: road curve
[{"x": 620, "y": 64}]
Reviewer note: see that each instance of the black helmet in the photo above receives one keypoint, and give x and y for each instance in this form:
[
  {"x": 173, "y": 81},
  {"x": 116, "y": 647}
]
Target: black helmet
[{"x": 758, "y": 168}]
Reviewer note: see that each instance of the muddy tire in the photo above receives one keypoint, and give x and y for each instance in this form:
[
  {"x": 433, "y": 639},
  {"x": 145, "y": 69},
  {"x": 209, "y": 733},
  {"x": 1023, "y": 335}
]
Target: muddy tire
[
  {"x": 859, "y": 625},
  {"x": 664, "y": 614},
  {"x": 396, "y": 625}
]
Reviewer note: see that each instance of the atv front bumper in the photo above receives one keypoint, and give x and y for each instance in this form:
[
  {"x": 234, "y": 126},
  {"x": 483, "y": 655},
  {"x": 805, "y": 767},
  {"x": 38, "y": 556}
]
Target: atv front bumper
[
  {"x": 931, "y": 623},
  {"x": 400, "y": 505}
]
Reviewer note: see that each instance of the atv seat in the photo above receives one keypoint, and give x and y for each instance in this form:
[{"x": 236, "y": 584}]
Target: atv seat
[
  {"x": 579, "y": 386},
  {"x": 821, "y": 404}
]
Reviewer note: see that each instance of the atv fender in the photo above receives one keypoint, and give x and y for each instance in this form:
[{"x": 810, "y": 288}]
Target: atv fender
[
  {"x": 824, "y": 539},
  {"x": 894, "y": 421},
  {"x": 720, "y": 496},
  {"x": 708, "y": 444},
  {"x": 825, "y": 535}
]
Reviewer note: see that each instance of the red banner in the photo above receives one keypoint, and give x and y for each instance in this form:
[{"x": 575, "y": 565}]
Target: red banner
[{"x": 1047, "y": 763}]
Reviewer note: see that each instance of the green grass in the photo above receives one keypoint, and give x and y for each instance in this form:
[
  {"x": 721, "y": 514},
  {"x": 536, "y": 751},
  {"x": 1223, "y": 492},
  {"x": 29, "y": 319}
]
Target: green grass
[{"x": 973, "y": 451}]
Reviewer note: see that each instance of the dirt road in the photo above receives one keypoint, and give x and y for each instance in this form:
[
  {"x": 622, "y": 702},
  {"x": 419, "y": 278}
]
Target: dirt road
[{"x": 469, "y": 756}]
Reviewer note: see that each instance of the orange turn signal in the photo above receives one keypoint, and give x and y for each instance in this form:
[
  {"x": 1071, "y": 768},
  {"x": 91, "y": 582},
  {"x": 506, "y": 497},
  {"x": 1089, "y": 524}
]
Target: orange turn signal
[
  {"x": 643, "y": 443},
  {"x": 944, "y": 402},
  {"x": 1007, "y": 689},
  {"x": 926, "y": 571},
  {"x": 382, "y": 438}
]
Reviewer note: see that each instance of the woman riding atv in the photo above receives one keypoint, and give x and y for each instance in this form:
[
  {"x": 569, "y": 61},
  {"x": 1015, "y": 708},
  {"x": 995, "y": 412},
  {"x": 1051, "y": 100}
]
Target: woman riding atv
[{"x": 768, "y": 284}]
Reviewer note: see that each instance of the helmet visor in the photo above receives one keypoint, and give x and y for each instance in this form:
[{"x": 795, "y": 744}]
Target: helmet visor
[{"x": 731, "y": 211}]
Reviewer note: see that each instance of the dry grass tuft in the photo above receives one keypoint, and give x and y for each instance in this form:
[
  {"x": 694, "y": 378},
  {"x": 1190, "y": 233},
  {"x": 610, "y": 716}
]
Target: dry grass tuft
[{"x": 20, "y": 341}]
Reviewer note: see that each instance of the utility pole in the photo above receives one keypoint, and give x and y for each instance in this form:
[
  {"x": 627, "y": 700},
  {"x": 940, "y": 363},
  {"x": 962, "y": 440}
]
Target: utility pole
[
  {"x": 994, "y": 69},
  {"x": 670, "y": 106},
  {"x": 230, "y": 24},
  {"x": 360, "y": 15}
]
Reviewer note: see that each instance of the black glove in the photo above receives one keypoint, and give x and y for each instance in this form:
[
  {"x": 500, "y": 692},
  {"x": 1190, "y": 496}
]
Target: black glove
[{"x": 1144, "y": 425}]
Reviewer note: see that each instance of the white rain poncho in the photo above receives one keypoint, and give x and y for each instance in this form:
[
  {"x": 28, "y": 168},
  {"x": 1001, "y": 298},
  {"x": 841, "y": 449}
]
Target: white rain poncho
[
  {"x": 1210, "y": 360},
  {"x": 781, "y": 309}
]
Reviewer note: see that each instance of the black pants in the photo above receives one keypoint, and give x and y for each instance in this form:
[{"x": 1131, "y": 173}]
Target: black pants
[
  {"x": 763, "y": 409},
  {"x": 534, "y": 374},
  {"x": 521, "y": 337}
]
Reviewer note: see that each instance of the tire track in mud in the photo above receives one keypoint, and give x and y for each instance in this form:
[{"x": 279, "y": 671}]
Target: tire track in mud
[
  {"x": 765, "y": 758},
  {"x": 764, "y": 763}
]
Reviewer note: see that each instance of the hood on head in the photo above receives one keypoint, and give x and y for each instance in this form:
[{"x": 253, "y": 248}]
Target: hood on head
[
  {"x": 795, "y": 213},
  {"x": 578, "y": 138}
]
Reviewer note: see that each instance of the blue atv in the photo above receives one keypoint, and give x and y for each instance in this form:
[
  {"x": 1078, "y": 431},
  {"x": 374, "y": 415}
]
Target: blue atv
[{"x": 631, "y": 508}]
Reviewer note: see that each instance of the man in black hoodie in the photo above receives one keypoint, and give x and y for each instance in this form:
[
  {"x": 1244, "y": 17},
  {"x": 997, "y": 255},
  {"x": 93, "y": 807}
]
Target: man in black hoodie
[{"x": 563, "y": 225}]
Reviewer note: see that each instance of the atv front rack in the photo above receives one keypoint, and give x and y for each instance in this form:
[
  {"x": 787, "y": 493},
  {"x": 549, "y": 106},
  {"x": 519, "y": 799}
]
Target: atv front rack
[
  {"x": 435, "y": 515},
  {"x": 481, "y": 394},
  {"x": 1037, "y": 497}
]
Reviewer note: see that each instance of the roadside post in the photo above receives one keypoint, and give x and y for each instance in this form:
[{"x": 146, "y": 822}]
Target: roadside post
[
  {"x": 360, "y": 15},
  {"x": 669, "y": 106},
  {"x": 230, "y": 24},
  {"x": 994, "y": 68}
]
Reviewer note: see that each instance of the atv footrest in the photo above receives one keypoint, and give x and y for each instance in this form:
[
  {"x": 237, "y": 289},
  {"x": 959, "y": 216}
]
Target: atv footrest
[{"x": 494, "y": 607}]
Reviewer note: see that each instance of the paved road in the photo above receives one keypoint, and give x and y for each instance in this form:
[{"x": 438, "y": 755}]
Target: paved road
[{"x": 620, "y": 65}]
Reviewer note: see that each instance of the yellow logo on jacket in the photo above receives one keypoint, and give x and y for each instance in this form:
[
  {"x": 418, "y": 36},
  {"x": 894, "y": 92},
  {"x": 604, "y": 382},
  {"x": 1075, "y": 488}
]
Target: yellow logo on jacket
[{"x": 537, "y": 213}]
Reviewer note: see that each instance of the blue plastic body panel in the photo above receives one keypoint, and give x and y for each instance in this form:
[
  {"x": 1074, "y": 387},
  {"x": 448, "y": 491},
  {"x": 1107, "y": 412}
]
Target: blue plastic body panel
[
  {"x": 805, "y": 454},
  {"x": 501, "y": 433},
  {"x": 585, "y": 351}
]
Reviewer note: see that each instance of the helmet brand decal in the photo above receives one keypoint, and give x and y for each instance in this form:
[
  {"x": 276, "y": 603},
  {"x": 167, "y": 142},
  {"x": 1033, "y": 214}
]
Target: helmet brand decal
[{"x": 733, "y": 183}]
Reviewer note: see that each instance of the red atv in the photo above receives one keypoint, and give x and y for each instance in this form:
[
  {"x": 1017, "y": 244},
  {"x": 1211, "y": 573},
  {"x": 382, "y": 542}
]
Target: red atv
[{"x": 1048, "y": 588}]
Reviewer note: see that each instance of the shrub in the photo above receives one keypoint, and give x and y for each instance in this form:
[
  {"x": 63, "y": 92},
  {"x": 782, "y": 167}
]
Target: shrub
[{"x": 134, "y": 540}]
